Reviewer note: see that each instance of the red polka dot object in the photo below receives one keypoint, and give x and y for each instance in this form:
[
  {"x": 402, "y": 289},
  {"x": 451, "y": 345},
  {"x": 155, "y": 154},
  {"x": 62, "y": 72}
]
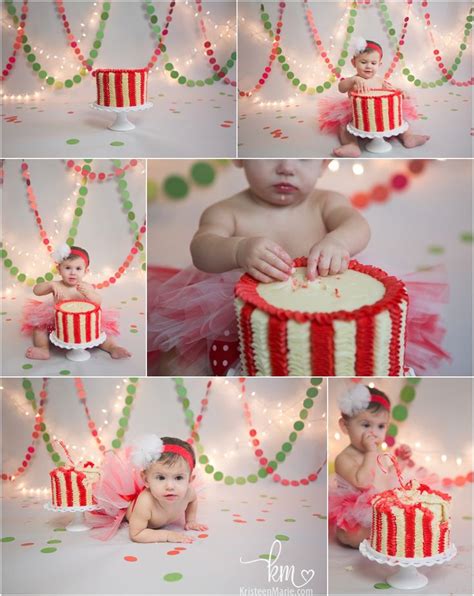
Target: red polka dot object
[{"x": 222, "y": 355}]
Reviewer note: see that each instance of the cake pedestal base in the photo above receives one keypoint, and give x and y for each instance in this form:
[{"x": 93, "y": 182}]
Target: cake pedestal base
[
  {"x": 407, "y": 577},
  {"x": 378, "y": 144},
  {"x": 121, "y": 123},
  {"x": 77, "y": 352},
  {"x": 78, "y": 523}
]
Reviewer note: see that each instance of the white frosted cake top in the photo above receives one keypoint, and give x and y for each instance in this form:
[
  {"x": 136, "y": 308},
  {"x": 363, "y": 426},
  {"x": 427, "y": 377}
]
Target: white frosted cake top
[
  {"x": 78, "y": 306},
  {"x": 347, "y": 291},
  {"x": 376, "y": 92}
]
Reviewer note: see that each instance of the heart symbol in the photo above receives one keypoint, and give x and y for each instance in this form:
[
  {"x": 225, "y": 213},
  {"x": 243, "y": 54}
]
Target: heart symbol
[{"x": 307, "y": 575}]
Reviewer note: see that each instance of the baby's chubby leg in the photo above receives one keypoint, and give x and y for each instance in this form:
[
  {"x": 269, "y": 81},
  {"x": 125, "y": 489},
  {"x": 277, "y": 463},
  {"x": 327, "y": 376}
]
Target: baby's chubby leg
[
  {"x": 114, "y": 350},
  {"x": 40, "y": 348},
  {"x": 349, "y": 144},
  {"x": 352, "y": 539}
]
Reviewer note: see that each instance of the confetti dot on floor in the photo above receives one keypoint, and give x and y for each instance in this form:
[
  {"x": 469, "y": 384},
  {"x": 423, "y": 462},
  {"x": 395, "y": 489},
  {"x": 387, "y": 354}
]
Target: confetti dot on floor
[
  {"x": 59, "y": 530},
  {"x": 130, "y": 559},
  {"x": 48, "y": 550},
  {"x": 203, "y": 535},
  {"x": 436, "y": 249},
  {"x": 266, "y": 557},
  {"x": 281, "y": 537},
  {"x": 290, "y": 519},
  {"x": 173, "y": 577},
  {"x": 467, "y": 237},
  {"x": 117, "y": 143},
  {"x": 134, "y": 298},
  {"x": 173, "y": 552},
  {"x": 54, "y": 541},
  {"x": 27, "y": 366},
  {"x": 240, "y": 521},
  {"x": 133, "y": 330},
  {"x": 225, "y": 509},
  {"x": 64, "y": 372},
  {"x": 8, "y": 539},
  {"x": 260, "y": 519},
  {"x": 468, "y": 517},
  {"x": 382, "y": 586},
  {"x": 27, "y": 544},
  {"x": 72, "y": 141}
]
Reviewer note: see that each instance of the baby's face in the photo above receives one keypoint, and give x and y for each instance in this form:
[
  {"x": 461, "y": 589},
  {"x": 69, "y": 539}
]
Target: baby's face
[
  {"x": 364, "y": 423},
  {"x": 72, "y": 271},
  {"x": 282, "y": 181},
  {"x": 367, "y": 64},
  {"x": 168, "y": 484}
]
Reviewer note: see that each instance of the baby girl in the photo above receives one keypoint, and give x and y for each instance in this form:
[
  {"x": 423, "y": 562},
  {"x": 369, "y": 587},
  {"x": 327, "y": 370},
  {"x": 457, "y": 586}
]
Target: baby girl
[
  {"x": 38, "y": 317},
  {"x": 149, "y": 485},
  {"x": 280, "y": 216},
  {"x": 365, "y": 413},
  {"x": 336, "y": 113}
]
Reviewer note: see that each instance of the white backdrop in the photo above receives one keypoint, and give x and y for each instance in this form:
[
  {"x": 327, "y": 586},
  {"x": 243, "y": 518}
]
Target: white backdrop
[
  {"x": 434, "y": 210},
  {"x": 47, "y": 122},
  {"x": 298, "y": 513},
  {"x": 278, "y": 105},
  {"x": 103, "y": 231},
  {"x": 439, "y": 425}
]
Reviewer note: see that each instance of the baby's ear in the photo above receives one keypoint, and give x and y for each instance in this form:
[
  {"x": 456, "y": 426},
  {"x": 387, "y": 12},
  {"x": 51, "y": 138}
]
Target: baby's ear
[
  {"x": 144, "y": 478},
  {"x": 192, "y": 477},
  {"x": 343, "y": 425}
]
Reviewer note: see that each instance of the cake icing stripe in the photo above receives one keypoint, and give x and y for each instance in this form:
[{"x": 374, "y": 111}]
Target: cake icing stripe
[
  {"x": 364, "y": 347},
  {"x": 394, "y": 352},
  {"x": 365, "y": 114},
  {"x": 391, "y": 534},
  {"x": 410, "y": 532},
  {"x": 88, "y": 329},
  {"x": 57, "y": 489},
  {"x": 427, "y": 533},
  {"x": 277, "y": 343},
  {"x": 126, "y": 90},
  {"x": 400, "y": 521},
  {"x": 382, "y": 343},
  {"x": 106, "y": 80},
  {"x": 391, "y": 115},
  {"x": 68, "y": 488},
  {"x": 65, "y": 327},
  {"x": 403, "y": 335},
  {"x": 77, "y": 327},
  {"x": 259, "y": 323},
  {"x": 80, "y": 478},
  {"x": 386, "y": 122},
  {"x": 344, "y": 348},
  {"x": 378, "y": 113},
  {"x": 372, "y": 107},
  {"x": 97, "y": 326},
  {"x": 384, "y": 532},
  {"x": 378, "y": 541},
  {"x": 245, "y": 315},
  {"x": 131, "y": 86},
  {"x": 442, "y": 537},
  {"x": 62, "y": 489},
  {"x": 322, "y": 349},
  {"x": 70, "y": 326},
  {"x": 138, "y": 93},
  {"x": 299, "y": 348},
  {"x": 142, "y": 80},
  {"x": 119, "y": 90}
]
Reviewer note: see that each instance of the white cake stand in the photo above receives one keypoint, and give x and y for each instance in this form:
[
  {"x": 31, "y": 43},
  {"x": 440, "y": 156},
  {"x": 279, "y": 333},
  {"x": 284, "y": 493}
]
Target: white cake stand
[
  {"x": 407, "y": 577},
  {"x": 378, "y": 143},
  {"x": 122, "y": 123},
  {"x": 78, "y": 524},
  {"x": 77, "y": 352}
]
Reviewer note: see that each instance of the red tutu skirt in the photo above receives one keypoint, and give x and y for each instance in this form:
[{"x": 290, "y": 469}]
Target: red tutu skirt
[
  {"x": 334, "y": 112},
  {"x": 40, "y": 315},
  {"x": 193, "y": 313},
  {"x": 119, "y": 485}
]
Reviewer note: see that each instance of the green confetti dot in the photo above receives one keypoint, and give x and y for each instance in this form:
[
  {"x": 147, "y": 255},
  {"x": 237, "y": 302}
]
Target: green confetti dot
[
  {"x": 64, "y": 372},
  {"x": 312, "y": 392},
  {"x": 116, "y": 443},
  {"x": 229, "y": 480},
  {"x": 267, "y": 557},
  {"x": 59, "y": 530},
  {"x": 466, "y": 237},
  {"x": 49, "y": 549},
  {"x": 173, "y": 577},
  {"x": 382, "y": 586},
  {"x": 117, "y": 143},
  {"x": 281, "y": 537},
  {"x": 436, "y": 249},
  {"x": 252, "y": 478},
  {"x": 290, "y": 519},
  {"x": 176, "y": 187},
  {"x": 298, "y": 425},
  {"x": 54, "y": 541},
  {"x": 203, "y": 173},
  {"x": 400, "y": 413},
  {"x": 392, "y": 430},
  {"x": 316, "y": 381},
  {"x": 8, "y": 539},
  {"x": 27, "y": 366},
  {"x": 407, "y": 394},
  {"x": 218, "y": 476},
  {"x": 72, "y": 141}
]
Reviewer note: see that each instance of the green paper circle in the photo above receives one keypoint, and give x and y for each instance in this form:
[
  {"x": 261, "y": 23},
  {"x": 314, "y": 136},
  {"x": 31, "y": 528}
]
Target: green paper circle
[
  {"x": 240, "y": 480},
  {"x": 407, "y": 394},
  {"x": 72, "y": 141},
  {"x": 281, "y": 537},
  {"x": 392, "y": 430},
  {"x": 229, "y": 480},
  {"x": 65, "y": 372},
  {"x": 400, "y": 413},
  {"x": 27, "y": 366},
  {"x": 382, "y": 586},
  {"x": 218, "y": 476},
  {"x": 123, "y": 422},
  {"x": 173, "y": 577},
  {"x": 8, "y": 539},
  {"x": 116, "y": 444},
  {"x": 287, "y": 447},
  {"x": 176, "y": 187},
  {"x": 203, "y": 173},
  {"x": 312, "y": 392},
  {"x": 252, "y": 478},
  {"x": 49, "y": 549},
  {"x": 298, "y": 425},
  {"x": 117, "y": 143},
  {"x": 316, "y": 381}
]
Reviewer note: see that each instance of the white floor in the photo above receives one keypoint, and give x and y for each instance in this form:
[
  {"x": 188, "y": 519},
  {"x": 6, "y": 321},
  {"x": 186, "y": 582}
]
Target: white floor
[
  {"x": 210, "y": 565},
  {"x": 42, "y": 128},
  {"x": 128, "y": 297},
  {"x": 350, "y": 573},
  {"x": 446, "y": 118}
]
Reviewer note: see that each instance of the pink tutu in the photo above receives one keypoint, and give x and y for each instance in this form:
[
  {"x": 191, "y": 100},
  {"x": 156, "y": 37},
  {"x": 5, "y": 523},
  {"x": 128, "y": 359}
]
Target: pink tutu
[
  {"x": 193, "y": 313},
  {"x": 40, "y": 315},
  {"x": 119, "y": 485},
  {"x": 336, "y": 111}
]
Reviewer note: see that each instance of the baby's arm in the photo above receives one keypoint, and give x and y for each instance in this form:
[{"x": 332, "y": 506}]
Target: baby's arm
[
  {"x": 140, "y": 532},
  {"x": 348, "y": 234},
  {"x": 215, "y": 249},
  {"x": 190, "y": 516},
  {"x": 89, "y": 293},
  {"x": 360, "y": 476},
  {"x": 354, "y": 83},
  {"x": 43, "y": 288}
]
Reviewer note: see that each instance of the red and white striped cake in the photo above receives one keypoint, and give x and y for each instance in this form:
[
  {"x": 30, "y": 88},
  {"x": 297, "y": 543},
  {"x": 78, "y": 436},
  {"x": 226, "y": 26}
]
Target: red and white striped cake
[
  {"x": 352, "y": 324},
  {"x": 412, "y": 522},
  {"x": 72, "y": 487},
  {"x": 378, "y": 110},
  {"x": 119, "y": 88},
  {"x": 77, "y": 321}
]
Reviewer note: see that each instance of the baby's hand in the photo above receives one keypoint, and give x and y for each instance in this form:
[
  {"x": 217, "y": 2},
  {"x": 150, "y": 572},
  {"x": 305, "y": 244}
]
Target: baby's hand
[
  {"x": 264, "y": 259},
  {"x": 192, "y": 525},
  {"x": 387, "y": 85},
  {"x": 403, "y": 452},
  {"x": 57, "y": 292},
  {"x": 327, "y": 256},
  {"x": 178, "y": 537},
  {"x": 361, "y": 85},
  {"x": 369, "y": 441},
  {"x": 83, "y": 289}
]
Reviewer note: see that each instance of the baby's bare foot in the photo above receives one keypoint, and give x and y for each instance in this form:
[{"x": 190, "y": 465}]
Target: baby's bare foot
[
  {"x": 119, "y": 352},
  {"x": 410, "y": 140},
  {"x": 35, "y": 353},
  {"x": 349, "y": 150}
]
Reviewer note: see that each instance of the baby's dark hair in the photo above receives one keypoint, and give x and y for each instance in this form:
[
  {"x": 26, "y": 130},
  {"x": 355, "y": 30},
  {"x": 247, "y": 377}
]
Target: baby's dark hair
[
  {"x": 169, "y": 459},
  {"x": 373, "y": 406}
]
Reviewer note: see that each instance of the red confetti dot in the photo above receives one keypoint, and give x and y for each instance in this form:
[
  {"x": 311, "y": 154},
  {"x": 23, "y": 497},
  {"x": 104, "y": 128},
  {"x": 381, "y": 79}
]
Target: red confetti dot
[
  {"x": 173, "y": 552},
  {"x": 203, "y": 535},
  {"x": 399, "y": 181},
  {"x": 360, "y": 199},
  {"x": 130, "y": 559}
]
